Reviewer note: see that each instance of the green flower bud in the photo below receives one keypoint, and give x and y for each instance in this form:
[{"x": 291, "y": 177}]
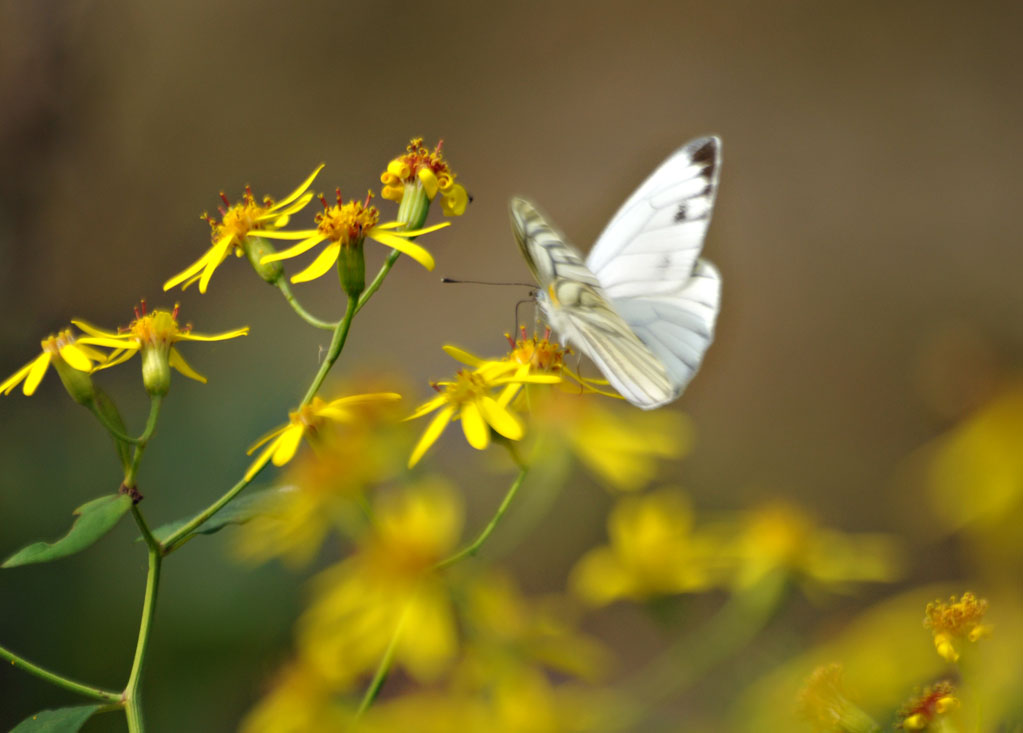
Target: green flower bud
[
  {"x": 156, "y": 369},
  {"x": 351, "y": 267},
  {"x": 256, "y": 248}
]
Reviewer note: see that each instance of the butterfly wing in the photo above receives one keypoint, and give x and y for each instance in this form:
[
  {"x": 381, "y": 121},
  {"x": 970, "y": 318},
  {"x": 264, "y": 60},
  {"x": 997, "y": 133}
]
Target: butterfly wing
[
  {"x": 647, "y": 259},
  {"x": 577, "y": 308}
]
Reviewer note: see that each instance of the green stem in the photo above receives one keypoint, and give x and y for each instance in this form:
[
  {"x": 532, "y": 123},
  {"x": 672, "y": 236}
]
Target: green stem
[
  {"x": 182, "y": 535},
  {"x": 473, "y": 548},
  {"x": 111, "y": 428},
  {"x": 336, "y": 345},
  {"x": 378, "y": 280},
  {"x": 282, "y": 285},
  {"x": 143, "y": 440},
  {"x": 132, "y": 694},
  {"x": 692, "y": 656},
  {"x": 59, "y": 680},
  {"x": 383, "y": 669}
]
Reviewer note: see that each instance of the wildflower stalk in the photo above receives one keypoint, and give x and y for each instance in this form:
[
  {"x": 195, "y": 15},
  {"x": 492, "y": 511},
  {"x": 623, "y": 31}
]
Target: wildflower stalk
[
  {"x": 383, "y": 669},
  {"x": 475, "y": 546},
  {"x": 179, "y": 537},
  {"x": 59, "y": 680},
  {"x": 285, "y": 288},
  {"x": 336, "y": 345},
  {"x": 132, "y": 694},
  {"x": 143, "y": 440}
]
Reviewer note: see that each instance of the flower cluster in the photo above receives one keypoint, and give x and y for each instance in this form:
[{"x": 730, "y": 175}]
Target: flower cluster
[
  {"x": 428, "y": 171},
  {"x": 956, "y": 620}
]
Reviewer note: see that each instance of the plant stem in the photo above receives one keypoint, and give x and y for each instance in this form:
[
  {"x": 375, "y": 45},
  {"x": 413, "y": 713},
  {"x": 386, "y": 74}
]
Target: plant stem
[
  {"x": 143, "y": 440},
  {"x": 473, "y": 548},
  {"x": 336, "y": 345},
  {"x": 111, "y": 428},
  {"x": 178, "y": 538},
  {"x": 378, "y": 280},
  {"x": 282, "y": 285},
  {"x": 132, "y": 695},
  {"x": 383, "y": 669},
  {"x": 53, "y": 678}
]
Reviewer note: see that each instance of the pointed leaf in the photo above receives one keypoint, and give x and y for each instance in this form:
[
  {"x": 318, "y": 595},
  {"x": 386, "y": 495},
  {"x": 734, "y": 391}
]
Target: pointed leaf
[
  {"x": 62, "y": 720},
  {"x": 239, "y": 511},
  {"x": 95, "y": 519}
]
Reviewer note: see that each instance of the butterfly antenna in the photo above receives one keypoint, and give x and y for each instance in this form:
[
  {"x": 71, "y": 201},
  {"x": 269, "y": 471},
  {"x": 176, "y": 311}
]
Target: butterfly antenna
[
  {"x": 517, "y": 321},
  {"x": 447, "y": 280}
]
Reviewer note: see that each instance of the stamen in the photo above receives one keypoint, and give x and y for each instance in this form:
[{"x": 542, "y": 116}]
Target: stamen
[{"x": 227, "y": 201}]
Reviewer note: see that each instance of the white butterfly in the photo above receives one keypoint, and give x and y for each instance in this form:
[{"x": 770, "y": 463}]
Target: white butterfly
[{"x": 642, "y": 306}]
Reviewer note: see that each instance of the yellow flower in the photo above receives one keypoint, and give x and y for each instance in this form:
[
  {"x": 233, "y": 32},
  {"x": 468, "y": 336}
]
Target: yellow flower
[
  {"x": 469, "y": 398},
  {"x": 937, "y": 700},
  {"x": 154, "y": 335},
  {"x": 301, "y": 701},
  {"x": 282, "y": 443},
  {"x": 389, "y": 586},
  {"x": 957, "y": 619},
  {"x": 428, "y": 171},
  {"x": 653, "y": 552},
  {"x": 346, "y": 226},
  {"x": 824, "y": 704},
  {"x": 780, "y": 537},
  {"x": 58, "y": 350},
  {"x": 238, "y": 227}
]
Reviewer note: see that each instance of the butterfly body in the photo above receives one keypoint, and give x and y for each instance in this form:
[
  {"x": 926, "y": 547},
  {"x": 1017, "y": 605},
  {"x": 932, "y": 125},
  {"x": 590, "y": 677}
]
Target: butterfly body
[{"x": 642, "y": 305}]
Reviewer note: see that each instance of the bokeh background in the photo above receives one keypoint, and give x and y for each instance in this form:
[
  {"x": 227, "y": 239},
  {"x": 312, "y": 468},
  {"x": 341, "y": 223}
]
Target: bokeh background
[{"x": 865, "y": 228}]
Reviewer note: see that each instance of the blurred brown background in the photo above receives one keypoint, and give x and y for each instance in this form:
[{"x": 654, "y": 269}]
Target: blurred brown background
[{"x": 864, "y": 228}]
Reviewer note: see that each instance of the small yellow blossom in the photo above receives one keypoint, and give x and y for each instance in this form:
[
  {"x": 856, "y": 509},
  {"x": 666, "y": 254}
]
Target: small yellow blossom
[
  {"x": 781, "y": 537},
  {"x": 469, "y": 397},
  {"x": 823, "y": 703},
  {"x": 240, "y": 224},
  {"x": 937, "y": 700},
  {"x": 300, "y": 701},
  {"x": 154, "y": 335},
  {"x": 426, "y": 170},
  {"x": 58, "y": 350},
  {"x": 346, "y": 225},
  {"x": 282, "y": 443},
  {"x": 956, "y": 620},
  {"x": 653, "y": 552},
  {"x": 387, "y": 587}
]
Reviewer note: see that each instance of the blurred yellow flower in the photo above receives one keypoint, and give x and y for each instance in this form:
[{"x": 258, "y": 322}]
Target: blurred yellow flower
[
  {"x": 927, "y": 708},
  {"x": 282, "y": 443},
  {"x": 653, "y": 552},
  {"x": 622, "y": 448},
  {"x": 427, "y": 171},
  {"x": 781, "y": 537},
  {"x": 153, "y": 335},
  {"x": 300, "y": 701},
  {"x": 241, "y": 223},
  {"x": 346, "y": 226},
  {"x": 469, "y": 398},
  {"x": 823, "y": 703},
  {"x": 956, "y": 620},
  {"x": 58, "y": 350},
  {"x": 388, "y": 587}
]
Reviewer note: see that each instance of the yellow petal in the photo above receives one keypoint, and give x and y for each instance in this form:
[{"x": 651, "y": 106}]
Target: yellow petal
[
  {"x": 404, "y": 246},
  {"x": 266, "y": 438},
  {"x": 284, "y": 212},
  {"x": 93, "y": 354},
  {"x": 36, "y": 372},
  {"x": 430, "y": 435},
  {"x": 177, "y": 361},
  {"x": 75, "y": 357},
  {"x": 119, "y": 343},
  {"x": 216, "y": 255},
  {"x": 214, "y": 336},
  {"x": 262, "y": 460},
  {"x": 287, "y": 444},
  {"x": 424, "y": 230},
  {"x": 126, "y": 354},
  {"x": 474, "y": 426},
  {"x": 463, "y": 356},
  {"x": 429, "y": 181},
  {"x": 92, "y": 330},
  {"x": 15, "y": 379},
  {"x": 321, "y": 264},
  {"x": 500, "y": 419},
  {"x": 274, "y": 234},
  {"x": 301, "y": 188},
  {"x": 455, "y": 201},
  {"x": 295, "y": 250},
  {"x": 194, "y": 269},
  {"x": 357, "y": 399},
  {"x": 428, "y": 407}
]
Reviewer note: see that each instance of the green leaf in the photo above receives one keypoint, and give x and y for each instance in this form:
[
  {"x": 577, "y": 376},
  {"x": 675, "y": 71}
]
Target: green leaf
[
  {"x": 238, "y": 511},
  {"x": 63, "y": 720},
  {"x": 95, "y": 519}
]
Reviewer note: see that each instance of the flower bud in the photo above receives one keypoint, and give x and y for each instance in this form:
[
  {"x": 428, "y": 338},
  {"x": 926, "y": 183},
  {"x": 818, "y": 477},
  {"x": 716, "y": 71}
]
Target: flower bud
[
  {"x": 156, "y": 369},
  {"x": 256, "y": 248},
  {"x": 77, "y": 383},
  {"x": 351, "y": 267}
]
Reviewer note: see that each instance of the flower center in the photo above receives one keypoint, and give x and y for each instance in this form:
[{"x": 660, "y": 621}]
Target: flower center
[{"x": 346, "y": 223}]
